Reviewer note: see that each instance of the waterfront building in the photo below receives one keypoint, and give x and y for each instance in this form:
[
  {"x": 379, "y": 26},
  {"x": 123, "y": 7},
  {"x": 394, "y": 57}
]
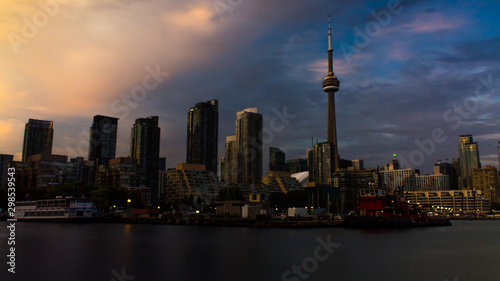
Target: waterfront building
[
  {"x": 319, "y": 160},
  {"x": 123, "y": 172},
  {"x": 188, "y": 180},
  {"x": 202, "y": 135},
  {"x": 44, "y": 171},
  {"x": 398, "y": 180},
  {"x": 468, "y": 153},
  {"x": 450, "y": 170},
  {"x": 248, "y": 148},
  {"x": 282, "y": 181},
  {"x": 297, "y": 165},
  {"x": 84, "y": 170},
  {"x": 486, "y": 180},
  {"x": 4, "y": 165},
  {"x": 277, "y": 160},
  {"x": 38, "y": 137},
  {"x": 432, "y": 182},
  {"x": 457, "y": 201},
  {"x": 145, "y": 194},
  {"x": 102, "y": 143},
  {"x": 145, "y": 147},
  {"x": 349, "y": 183}
]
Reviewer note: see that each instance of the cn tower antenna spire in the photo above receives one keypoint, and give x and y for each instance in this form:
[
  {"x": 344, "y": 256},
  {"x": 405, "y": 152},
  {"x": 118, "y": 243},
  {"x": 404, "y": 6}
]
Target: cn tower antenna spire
[{"x": 329, "y": 34}]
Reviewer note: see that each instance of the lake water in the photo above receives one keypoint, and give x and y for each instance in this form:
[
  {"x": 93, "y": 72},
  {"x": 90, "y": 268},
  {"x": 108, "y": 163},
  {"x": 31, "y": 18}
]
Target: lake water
[{"x": 468, "y": 250}]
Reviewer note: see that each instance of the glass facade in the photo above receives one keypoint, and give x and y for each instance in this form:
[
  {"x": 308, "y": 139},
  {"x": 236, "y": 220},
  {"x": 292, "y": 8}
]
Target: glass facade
[{"x": 38, "y": 137}]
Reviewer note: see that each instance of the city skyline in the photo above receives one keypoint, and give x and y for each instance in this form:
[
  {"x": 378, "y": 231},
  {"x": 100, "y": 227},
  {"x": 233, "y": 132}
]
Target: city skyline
[{"x": 397, "y": 87}]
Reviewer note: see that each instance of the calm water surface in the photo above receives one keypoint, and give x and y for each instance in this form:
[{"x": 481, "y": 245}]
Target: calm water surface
[{"x": 469, "y": 250}]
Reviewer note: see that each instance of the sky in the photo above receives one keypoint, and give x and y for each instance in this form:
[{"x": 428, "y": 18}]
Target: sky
[{"x": 414, "y": 75}]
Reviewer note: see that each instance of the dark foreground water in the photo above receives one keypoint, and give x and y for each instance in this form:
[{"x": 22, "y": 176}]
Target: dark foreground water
[{"x": 469, "y": 250}]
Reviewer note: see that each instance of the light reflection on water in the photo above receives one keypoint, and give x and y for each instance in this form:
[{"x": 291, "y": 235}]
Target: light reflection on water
[{"x": 467, "y": 250}]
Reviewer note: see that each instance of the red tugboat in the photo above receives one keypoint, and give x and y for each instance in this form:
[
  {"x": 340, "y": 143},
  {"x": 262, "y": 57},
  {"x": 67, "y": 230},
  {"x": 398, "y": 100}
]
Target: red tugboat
[{"x": 378, "y": 209}]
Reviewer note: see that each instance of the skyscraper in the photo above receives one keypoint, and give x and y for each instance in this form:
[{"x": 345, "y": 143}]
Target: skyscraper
[
  {"x": 38, "y": 136},
  {"x": 202, "y": 135},
  {"x": 249, "y": 145},
  {"x": 230, "y": 160},
  {"x": 320, "y": 162},
  {"x": 468, "y": 153},
  {"x": 102, "y": 143},
  {"x": 145, "y": 147},
  {"x": 277, "y": 160},
  {"x": 330, "y": 86}
]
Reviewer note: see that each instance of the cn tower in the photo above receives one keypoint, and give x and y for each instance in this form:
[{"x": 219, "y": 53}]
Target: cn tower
[{"x": 330, "y": 86}]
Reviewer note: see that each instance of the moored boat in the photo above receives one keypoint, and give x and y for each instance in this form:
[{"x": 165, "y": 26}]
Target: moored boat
[
  {"x": 67, "y": 209},
  {"x": 377, "y": 209}
]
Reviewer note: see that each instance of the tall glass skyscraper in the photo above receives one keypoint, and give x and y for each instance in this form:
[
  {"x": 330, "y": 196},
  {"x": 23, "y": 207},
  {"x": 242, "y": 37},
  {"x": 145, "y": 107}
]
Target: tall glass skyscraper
[
  {"x": 202, "y": 135},
  {"x": 38, "y": 137},
  {"x": 102, "y": 143},
  {"x": 468, "y": 153},
  {"x": 145, "y": 147}
]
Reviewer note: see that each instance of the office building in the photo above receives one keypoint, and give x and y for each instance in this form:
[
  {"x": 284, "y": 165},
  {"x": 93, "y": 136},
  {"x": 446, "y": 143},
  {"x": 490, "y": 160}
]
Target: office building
[
  {"x": 277, "y": 161},
  {"x": 145, "y": 147},
  {"x": 84, "y": 170},
  {"x": 102, "y": 143},
  {"x": 297, "y": 165},
  {"x": 38, "y": 137},
  {"x": 202, "y": 135},
  {"x": 450, "y": 170}
]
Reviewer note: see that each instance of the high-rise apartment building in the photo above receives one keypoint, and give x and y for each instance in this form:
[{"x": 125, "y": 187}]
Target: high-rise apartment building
[
  {"x": 249, "y": 145},
  {"x": 321, "y": 162},
  {"x": 468, "y": 153},
  {"x": 202, "y": 135},
  {"x": 38, "y": 137},
  {"x": 145, "y": 147}
]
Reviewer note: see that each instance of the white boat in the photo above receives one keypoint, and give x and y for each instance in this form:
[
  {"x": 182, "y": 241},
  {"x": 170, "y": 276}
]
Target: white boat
[{"x": 63, "y": 209}]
